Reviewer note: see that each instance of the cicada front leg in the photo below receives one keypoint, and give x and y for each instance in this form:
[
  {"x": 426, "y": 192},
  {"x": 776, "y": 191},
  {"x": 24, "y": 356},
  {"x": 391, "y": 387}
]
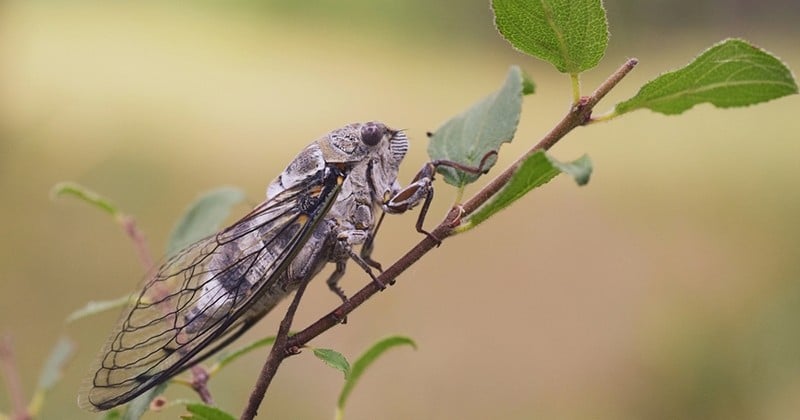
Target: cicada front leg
[{"x": 421, "y": 190}]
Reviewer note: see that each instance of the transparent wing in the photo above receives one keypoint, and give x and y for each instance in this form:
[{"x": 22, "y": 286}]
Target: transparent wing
[{"x": 208, "y": 294}]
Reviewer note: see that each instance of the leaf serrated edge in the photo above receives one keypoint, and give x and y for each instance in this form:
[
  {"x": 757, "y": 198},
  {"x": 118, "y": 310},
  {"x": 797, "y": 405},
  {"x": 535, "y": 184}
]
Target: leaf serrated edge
[{"x": 621, "y": 108}]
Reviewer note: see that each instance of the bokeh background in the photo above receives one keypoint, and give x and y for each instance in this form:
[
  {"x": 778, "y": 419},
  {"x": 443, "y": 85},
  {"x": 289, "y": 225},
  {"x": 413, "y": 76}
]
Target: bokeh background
[{"x": 669, "y": 287}]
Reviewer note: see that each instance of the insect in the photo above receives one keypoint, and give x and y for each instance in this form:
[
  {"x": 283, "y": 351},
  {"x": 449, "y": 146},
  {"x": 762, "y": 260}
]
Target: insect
[{"x": 316, "y": 211}]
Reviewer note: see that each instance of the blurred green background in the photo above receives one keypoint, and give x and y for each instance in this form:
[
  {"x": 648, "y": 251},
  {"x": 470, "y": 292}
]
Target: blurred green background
[{"x": 668, "y": 288}]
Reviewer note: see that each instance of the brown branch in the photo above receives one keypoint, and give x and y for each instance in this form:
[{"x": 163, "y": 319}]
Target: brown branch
[
  {"x": 13, "y": 383},
  {"x": 280, "y": 350},
  {"x": 578, "y": 115}
]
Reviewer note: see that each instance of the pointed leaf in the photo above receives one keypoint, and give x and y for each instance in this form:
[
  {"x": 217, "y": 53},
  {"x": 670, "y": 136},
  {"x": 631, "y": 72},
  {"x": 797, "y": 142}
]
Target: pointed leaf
[
  {"x": 730, "y": 74},
  {"x": 535, "y": 171},
  {"x": 572, "y": 35},
  {"x": 365, "y": 360},
  {"x": 580, "y": 169},
  {"x": 470, "y": 136},
  {"x": 85, "y": 194},
  {"x": 96, "y": 307},
  {"x": 54, "y": 367},
  {"x": 333, "y": 359},
  {"x": 203, "y": 217},
  {"x": 206, "y": 412},
  {"x": 51, "y": 373}
]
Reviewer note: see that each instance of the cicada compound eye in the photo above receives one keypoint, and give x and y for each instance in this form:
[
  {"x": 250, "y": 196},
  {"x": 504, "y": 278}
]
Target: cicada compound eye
[{"x": 372, "y": 133}]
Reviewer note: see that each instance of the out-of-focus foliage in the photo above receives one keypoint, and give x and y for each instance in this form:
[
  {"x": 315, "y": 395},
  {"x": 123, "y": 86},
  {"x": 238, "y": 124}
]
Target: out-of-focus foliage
[{"x": 678, "y": 302}]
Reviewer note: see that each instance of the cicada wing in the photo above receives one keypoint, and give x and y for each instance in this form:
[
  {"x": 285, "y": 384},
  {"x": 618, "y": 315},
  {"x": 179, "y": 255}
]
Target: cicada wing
[{"x": 208, "y": 294}]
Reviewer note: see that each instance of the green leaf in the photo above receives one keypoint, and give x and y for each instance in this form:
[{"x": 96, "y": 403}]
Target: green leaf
[
  {"x": 365, "y": 360},
  {"x": 54, "y": 367},
  {"x": 203, "y": 217},
  {"x": 535, "y": 171},
  {"x": 206, "y": 412},
  {"x": 96, "y": 307},
  {"x": 225, "y": 359},
  {"x": 52, "y": 371},
  {"x": 333, "y": 359},
  {"x": 113, "y": 414},
  {"x": 580, "y": 169},
  {"x": 572, "y": 35},
  {"x": 85, "y": 194},
  {"x": 730, "y": 74},
  {"x": 141, "y": 404},
  {"x": 470, "y": 136}
]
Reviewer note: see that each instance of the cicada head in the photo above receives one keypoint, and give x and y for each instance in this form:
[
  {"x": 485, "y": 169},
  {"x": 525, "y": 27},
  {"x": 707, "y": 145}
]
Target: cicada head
[{"x": 356, "y": 142}]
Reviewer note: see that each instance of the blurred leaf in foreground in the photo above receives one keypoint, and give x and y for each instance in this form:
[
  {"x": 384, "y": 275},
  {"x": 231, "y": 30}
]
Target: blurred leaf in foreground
[
  {"x": 534, "y": 172},
  {"x": 572, "y": 35},
  {"x": 203, "y": 217},
  {"x": 51, "y": 373},
  {"x": 96, "y": 307},
  {"x": 470, "y": 136},
  {"x": 85, "y": 194},
  {"x": 206, "y": 412},
  {"x": 730, "y": 74}
]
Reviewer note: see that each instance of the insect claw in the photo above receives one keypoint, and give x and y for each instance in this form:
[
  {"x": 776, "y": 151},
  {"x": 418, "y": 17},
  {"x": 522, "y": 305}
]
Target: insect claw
[
  {"x": 380, "y": 284},
  {"x": 432, "y": 237},
  {"x": 339, "y": 319}
]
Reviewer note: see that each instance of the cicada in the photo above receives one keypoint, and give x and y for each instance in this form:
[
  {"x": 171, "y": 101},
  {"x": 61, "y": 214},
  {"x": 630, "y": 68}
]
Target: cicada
[{"x": 326, "y": 202}]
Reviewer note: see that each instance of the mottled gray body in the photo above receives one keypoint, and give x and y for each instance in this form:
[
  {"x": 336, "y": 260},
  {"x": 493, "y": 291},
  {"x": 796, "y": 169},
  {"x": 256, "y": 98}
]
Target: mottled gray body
[
  {"x": 321, "y": 206},
  {"x": 371, "y": 179}
]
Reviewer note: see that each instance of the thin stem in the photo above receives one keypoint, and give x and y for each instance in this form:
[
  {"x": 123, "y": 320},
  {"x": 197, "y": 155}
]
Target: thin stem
[
  {"x": 281, "y": 349},
  {"x": 608, "y": 116},
  {"x": 200, "y": 384},
  {"x": 578, "y": 115},
  {"x": 576, "y": 87},
  {"x": 13, "y": 383},
  {"x": 139, "y": 242}
]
